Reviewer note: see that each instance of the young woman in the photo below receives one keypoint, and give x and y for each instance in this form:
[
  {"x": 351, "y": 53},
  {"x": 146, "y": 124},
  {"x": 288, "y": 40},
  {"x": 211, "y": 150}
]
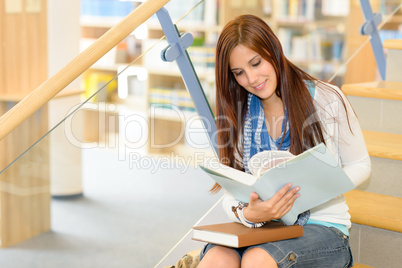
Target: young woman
[{"x": 264, "y": 102}]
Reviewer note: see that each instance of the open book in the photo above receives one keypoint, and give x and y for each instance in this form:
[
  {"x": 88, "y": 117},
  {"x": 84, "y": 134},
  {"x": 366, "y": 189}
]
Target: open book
[{"x": 316, "y": 171}]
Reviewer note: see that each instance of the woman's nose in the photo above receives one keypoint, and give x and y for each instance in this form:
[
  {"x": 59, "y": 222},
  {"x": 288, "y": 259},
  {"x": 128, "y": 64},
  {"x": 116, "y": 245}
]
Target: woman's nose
[{"x": 252, "y": 77}]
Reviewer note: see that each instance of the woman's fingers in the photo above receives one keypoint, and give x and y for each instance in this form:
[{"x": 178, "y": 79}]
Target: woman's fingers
[
  {"x": 274, "y": 208},
  {"x": 253, "y": 198},
  {"x": 285, "y": 193},
  {"x": 286, "y": 204}
]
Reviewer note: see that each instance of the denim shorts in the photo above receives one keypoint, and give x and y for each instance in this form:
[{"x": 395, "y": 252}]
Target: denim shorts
[{"x": 320, "y": 246}]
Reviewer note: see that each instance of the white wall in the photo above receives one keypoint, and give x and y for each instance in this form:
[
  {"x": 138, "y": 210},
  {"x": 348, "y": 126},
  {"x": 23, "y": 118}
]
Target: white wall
[
  {"x": 63, "y": 34},
  {"x": 63, "y": 46}
]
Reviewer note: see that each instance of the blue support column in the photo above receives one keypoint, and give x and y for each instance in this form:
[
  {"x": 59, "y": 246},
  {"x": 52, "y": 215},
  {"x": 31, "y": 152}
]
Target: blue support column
[
  {"x": 177, "y": 51},
  {"x": 370, "y": 28}
]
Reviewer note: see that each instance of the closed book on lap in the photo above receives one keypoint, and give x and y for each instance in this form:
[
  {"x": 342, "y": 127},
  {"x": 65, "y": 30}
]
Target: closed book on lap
[{"x": 237, "y": 235}]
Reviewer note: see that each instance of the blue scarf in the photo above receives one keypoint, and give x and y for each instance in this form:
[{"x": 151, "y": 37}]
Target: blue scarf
[{"x": 257, "y": 139}]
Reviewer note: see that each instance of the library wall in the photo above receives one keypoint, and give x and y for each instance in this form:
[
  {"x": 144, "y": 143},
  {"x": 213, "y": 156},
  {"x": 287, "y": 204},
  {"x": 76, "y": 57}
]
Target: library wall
[{"x": 316, "y": 35}]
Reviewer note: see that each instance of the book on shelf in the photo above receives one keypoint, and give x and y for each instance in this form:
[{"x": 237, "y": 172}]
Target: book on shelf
[
  {"x": 296, "y": 10},
  {"x": 316, "y": 171},
  {"x": 171, "y": 98},
  {"x": 237, "y": 235},
  {"x": 322, "y": 45},
  {"x": 335, "y": 8}
]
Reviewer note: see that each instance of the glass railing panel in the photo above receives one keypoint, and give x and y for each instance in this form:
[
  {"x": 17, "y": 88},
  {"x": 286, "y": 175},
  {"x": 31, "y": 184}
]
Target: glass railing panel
[
  {"x": 132, "y": 202},
  {"x": 94, "y": 180}
]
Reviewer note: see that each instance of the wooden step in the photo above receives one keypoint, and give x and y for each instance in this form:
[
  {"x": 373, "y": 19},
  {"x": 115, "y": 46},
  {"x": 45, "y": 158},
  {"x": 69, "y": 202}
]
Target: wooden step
[
  {"x": 375, "y": 210},
  {"x": 384, "y": 145},
  {"x": 393, "y": 44},
  {"x": 358, "y": 265},
  {"x": 378, "y": 89}
]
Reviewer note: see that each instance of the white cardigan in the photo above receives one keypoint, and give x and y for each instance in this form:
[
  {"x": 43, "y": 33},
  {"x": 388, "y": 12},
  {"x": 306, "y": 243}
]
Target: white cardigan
[{"x": 346, "y": 143}]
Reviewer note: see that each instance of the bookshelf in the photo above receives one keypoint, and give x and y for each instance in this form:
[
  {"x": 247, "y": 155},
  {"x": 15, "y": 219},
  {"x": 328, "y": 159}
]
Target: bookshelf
[
  {"x": 314, "y": 40},
  {"x": 97, "y": 17},
  {"x": 126, "y": 92},
  {"x": 163, "y": 86},
  {"x": 312, "y": 34},
  {"x": 317, "y": 35},
  {"x": 170, "y": 106}
]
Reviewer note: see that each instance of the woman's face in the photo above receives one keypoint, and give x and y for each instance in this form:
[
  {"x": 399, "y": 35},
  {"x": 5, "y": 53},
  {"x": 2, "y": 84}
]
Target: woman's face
[{"x": 253, "y": 73}]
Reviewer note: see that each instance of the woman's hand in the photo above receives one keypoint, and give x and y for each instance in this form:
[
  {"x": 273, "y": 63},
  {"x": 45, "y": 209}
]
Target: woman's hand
[{"x": 274, "y": 208}]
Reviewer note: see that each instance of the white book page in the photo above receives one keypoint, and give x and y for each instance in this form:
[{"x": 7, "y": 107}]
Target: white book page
[
  {"x": 217, "y": 238},
  {"x": 229, "y": 172},
  {"x": 266, "y": 160}
]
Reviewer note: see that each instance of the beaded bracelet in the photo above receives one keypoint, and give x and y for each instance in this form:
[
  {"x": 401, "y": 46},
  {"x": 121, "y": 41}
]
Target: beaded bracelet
[{"x": 238, "y": 211}]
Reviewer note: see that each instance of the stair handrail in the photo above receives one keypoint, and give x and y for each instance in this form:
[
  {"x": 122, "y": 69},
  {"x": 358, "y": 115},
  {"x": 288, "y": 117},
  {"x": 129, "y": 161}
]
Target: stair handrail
[{"x": 48, "y": 89}]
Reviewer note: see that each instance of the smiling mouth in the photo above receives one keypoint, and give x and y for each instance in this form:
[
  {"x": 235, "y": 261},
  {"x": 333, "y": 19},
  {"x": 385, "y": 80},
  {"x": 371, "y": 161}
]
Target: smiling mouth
[{"x": 260, "y": 86}]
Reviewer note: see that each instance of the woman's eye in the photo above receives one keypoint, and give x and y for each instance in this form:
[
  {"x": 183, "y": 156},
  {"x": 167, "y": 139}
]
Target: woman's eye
[
  {"x": 238, "y": 73},
  {"x": 256, "y": 64}
]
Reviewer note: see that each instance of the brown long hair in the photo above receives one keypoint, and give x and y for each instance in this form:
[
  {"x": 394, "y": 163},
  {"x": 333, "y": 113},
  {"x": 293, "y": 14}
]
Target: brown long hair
[{"x": 231, "y": 98}]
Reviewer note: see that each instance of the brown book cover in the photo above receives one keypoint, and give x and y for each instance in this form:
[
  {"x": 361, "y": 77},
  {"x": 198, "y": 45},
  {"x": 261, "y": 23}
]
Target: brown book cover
[{"x": 237, "y": 235}]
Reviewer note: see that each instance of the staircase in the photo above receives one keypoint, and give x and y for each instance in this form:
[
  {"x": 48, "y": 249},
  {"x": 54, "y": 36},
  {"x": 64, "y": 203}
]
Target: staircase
[{"x": 376, "y": 205}]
